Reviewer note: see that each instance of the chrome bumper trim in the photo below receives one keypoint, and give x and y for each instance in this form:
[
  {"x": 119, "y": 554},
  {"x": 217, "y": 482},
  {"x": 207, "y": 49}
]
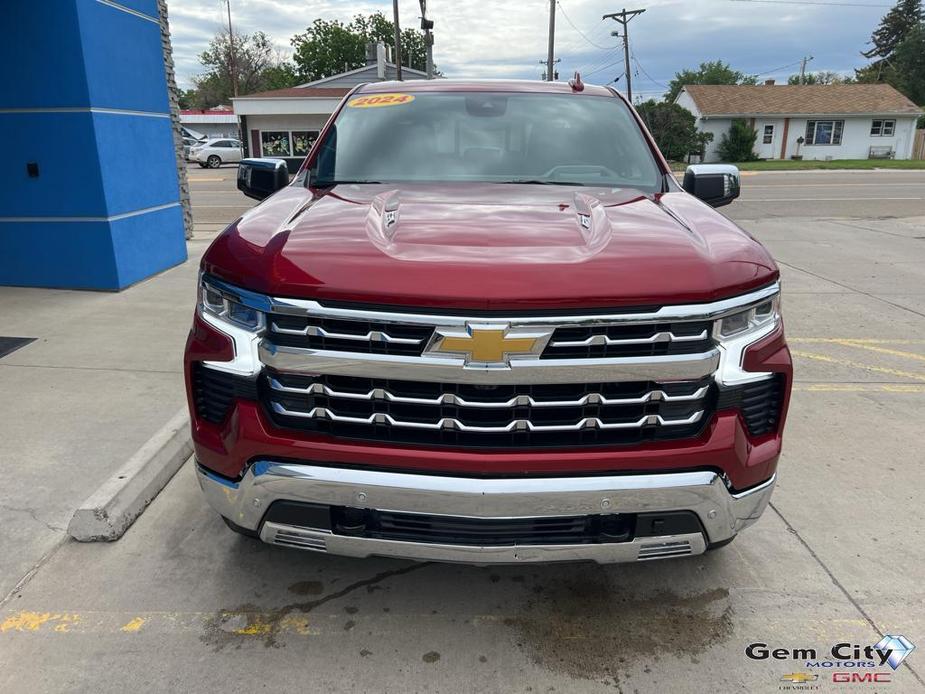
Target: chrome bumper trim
[
  {"x": 642, "y": 549},
  {"x": 722, "y": 514},
  {"x": 681, "y": 367}
]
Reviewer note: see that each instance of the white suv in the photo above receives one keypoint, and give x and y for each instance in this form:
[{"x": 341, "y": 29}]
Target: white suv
[{"x": 214, "y": 153}]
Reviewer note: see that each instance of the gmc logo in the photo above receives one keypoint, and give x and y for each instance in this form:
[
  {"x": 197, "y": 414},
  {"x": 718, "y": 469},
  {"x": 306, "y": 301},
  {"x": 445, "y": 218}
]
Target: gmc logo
[{"x": 868, "y": 677}]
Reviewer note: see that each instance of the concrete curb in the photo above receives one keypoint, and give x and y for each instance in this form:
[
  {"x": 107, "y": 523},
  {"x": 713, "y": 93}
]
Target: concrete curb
[{"x": 111, "y": 509}]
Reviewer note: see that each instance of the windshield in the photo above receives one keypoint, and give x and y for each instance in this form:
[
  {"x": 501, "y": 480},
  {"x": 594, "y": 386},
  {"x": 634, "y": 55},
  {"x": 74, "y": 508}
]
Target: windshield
[{"x": 564, "y": 139}]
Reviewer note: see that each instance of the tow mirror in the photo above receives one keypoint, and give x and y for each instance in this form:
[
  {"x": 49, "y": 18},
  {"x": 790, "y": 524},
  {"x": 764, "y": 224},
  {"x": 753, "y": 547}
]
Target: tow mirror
[
  {"x": 715, "y": 184},
  {"x": 260, "y": 178}
]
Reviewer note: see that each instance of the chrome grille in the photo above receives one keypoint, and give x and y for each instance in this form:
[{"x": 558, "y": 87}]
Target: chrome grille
[
  {"x": 568, "y": 342},
  {"x": 653, "y": 339},
  {"x": 312, "y": 332},
  {"x": 493, "y": 416}
]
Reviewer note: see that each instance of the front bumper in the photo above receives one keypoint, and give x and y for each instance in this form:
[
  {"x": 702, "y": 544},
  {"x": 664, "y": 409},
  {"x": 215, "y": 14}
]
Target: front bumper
[{"x": 721, "y": 513}]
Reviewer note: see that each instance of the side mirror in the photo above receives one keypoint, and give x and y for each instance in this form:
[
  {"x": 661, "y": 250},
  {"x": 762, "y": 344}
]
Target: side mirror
[
  {"x": 715, "y": 184},
  {"x": 260, "y": 178}
]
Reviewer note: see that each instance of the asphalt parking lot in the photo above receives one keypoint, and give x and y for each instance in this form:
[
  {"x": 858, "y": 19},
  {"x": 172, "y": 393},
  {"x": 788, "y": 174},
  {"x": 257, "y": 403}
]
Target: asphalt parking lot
[{"x": 182, "y": 604}]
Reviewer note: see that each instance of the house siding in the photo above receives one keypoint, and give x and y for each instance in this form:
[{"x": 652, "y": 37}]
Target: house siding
[{"x": 856, "y": 138}]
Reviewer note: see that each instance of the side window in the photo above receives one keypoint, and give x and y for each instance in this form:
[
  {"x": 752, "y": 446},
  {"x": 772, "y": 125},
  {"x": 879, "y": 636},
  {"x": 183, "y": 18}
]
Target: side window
[
  {"x": 876, "y": 128},
  {"x": 768, "y": 134},
  {"x": 888, "y": 127}
]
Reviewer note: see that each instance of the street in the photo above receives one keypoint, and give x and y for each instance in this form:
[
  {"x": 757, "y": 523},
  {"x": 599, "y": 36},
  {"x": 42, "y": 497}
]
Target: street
[{"x": 180, "y": 603}]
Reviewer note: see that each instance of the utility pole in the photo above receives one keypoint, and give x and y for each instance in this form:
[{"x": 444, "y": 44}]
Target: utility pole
[
  {"x": 427, "y": 25},
  {"x": 555, "y": 73},
  {"x": 232, "y": 68},
  {"x": 397, "y": 40},
  {"x": 805, "y": 60},
  {"x": 552, "y": 41},
  {"x": 624, "y": 17}
]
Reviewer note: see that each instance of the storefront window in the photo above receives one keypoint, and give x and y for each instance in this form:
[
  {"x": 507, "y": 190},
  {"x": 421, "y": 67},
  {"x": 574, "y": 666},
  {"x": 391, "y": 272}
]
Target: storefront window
[
  {"x": 275, "y": 143},
  {"x": 302, "y": 141}
]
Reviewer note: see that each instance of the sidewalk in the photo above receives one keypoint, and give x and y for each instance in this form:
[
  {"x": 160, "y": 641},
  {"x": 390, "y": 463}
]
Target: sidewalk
[{"x": 104, "y": 374}]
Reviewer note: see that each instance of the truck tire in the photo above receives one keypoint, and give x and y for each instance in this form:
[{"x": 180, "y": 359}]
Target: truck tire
[{"x": 214, "y": 161}]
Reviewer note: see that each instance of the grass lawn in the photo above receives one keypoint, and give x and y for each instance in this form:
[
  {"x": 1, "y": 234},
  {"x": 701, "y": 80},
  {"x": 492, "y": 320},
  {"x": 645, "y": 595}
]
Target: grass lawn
[{"x": 808, "y": 164}]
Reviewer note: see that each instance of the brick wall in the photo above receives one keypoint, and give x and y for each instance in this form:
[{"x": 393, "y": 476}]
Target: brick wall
[{"x": 175, "y": 119}]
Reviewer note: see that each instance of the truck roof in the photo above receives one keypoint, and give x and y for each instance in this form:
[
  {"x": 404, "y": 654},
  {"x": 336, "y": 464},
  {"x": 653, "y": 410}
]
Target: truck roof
[{"x": 481, "y": 85}]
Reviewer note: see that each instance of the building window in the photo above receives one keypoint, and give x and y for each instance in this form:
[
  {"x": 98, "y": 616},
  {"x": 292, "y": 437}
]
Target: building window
[
  {"x": 275, "y": 143},
  {"x": 302, "y": 141},
  {"x": 824, "y": 132},
  {"x": 287, "y": 143},
  {"x": 768, "y": 134},
  {"x": 882, "y": 128}
]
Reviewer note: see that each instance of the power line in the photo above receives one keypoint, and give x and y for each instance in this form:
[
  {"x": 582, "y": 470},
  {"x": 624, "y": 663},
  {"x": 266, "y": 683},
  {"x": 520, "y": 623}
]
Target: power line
[
  {"x": 776, "y": 69},
  {"x": 651, "y": 78},
  {"x": 580, "y": 32},
  {"x": 596, "y": 65},
  {"x": 616, "y": 62},
  {"x": 813, "y": 2}
]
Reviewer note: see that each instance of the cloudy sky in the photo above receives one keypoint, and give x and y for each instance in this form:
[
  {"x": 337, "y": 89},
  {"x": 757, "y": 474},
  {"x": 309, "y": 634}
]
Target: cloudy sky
[{"x": 494, "y": 38}]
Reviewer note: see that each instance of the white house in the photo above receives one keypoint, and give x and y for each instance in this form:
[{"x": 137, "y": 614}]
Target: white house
[
  {"x": 845, "y": 121},
  {"x": 284, "y": 123}
]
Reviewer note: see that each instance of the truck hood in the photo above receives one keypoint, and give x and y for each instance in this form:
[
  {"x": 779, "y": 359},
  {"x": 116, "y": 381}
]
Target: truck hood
[{"x": 489, "y": 246}]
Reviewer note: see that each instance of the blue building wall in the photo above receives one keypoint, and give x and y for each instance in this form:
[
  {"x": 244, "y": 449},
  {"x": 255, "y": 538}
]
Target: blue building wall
[{"x": 83, "y": 95}]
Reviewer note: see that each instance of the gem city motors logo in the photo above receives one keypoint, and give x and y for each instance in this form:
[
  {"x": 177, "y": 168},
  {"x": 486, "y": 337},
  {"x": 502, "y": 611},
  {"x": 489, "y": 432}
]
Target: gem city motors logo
[{"x": 853, "y": 663}]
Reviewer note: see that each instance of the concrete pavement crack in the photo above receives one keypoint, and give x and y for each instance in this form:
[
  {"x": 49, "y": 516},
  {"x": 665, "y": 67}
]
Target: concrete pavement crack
[
  {"x": 838, "y": 584},
  {"x": 852, "y": 289},
  {"x": 214, "y": 634},
  {"x": 33, "y": 515}
]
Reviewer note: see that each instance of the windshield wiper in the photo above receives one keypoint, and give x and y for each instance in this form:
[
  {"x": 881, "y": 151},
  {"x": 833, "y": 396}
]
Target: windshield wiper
[
  {"x": 345, "y": 182},
  {"x": 541, "y": 182}
]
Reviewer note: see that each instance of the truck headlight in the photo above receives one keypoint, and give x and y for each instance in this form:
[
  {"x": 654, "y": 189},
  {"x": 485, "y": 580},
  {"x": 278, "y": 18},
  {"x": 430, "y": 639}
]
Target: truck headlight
[
  {"x": 756, "y": 319},
  {"x": 226, "y": 307}
]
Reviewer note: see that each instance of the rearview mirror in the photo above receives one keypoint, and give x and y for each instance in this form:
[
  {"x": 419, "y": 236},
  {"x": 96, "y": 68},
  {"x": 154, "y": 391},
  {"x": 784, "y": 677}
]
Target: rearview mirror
[
  {"x": 260, "y": 178},
  {"x": 715, "y": 184}
]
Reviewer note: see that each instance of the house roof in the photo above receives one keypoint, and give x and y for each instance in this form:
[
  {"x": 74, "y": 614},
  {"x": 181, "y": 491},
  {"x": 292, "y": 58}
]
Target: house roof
[
  {"x": 299, "y": 93},
  {"x": 211, "y": 116},
  {"x": 799, "y": 99},
  {"x": 355, "y": 71}
]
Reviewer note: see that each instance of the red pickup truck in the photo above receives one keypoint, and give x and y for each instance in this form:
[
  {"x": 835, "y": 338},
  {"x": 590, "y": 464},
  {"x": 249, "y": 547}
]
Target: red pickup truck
[{"x": 485, "y": 323}]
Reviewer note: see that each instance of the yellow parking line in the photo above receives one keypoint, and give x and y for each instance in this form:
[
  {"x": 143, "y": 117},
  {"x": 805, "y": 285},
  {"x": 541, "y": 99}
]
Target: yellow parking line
[
  {"x": 859, "y": 365},
  {"x": 883, "y": 350},
  {"x": 859, "y": 387},
  {"x": 854, "y": 340}
]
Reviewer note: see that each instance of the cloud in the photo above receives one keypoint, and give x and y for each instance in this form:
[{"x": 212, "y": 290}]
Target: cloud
[{"x": 491, "y": 38}]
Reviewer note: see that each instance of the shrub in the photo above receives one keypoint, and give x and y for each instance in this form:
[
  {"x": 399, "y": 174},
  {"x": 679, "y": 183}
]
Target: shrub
[{"x": 739, "y": 143}]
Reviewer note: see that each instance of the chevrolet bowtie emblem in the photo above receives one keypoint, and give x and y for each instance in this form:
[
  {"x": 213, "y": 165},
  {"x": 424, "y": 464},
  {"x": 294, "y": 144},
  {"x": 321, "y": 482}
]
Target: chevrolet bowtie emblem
[
  {"x": 489, "y": 344},
  {"x": 799, "y": 677}
]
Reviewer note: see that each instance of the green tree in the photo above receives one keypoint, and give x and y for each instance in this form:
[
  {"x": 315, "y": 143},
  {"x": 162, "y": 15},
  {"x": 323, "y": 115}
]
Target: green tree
[
  {"x": 257, "y": 67},
  {"x": 710, "y": 72},
  {"x": 909, "y": 65},
  {"x": 895, "y": 26},
  {"x": 328, "y": 47},
  {"x": 739, "y": 143},
  {"x": 821, "y": 77},
  {"x": 674, "y": 129}
]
